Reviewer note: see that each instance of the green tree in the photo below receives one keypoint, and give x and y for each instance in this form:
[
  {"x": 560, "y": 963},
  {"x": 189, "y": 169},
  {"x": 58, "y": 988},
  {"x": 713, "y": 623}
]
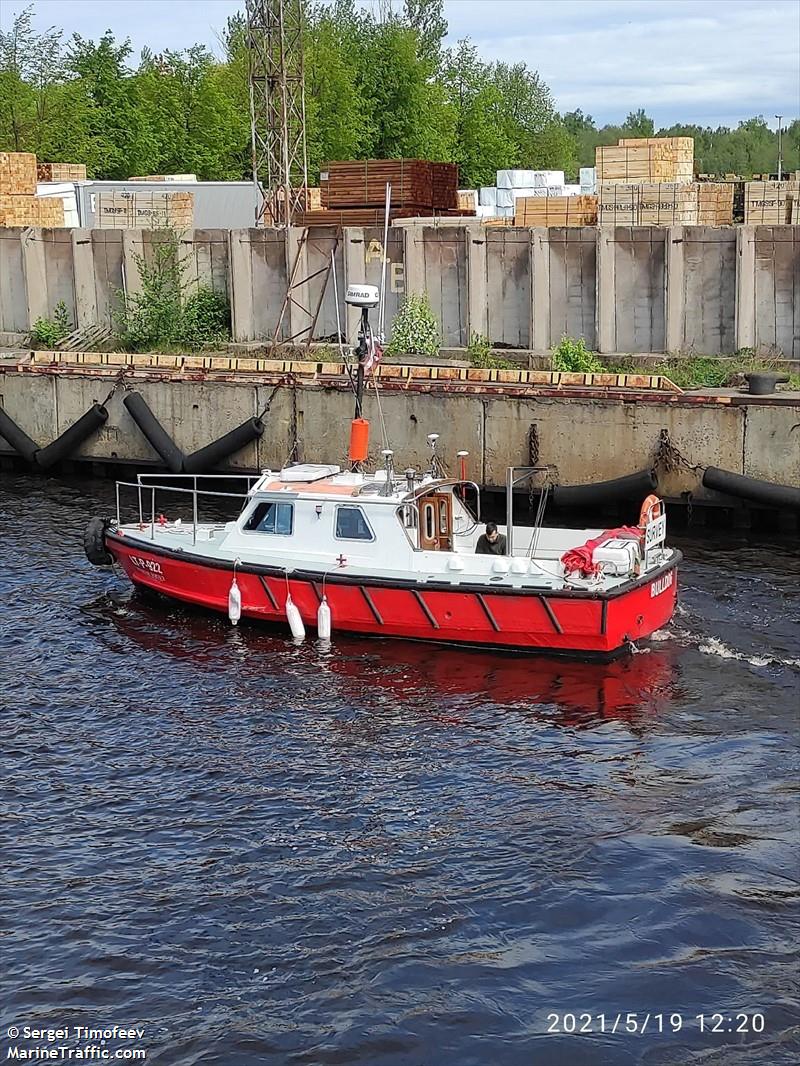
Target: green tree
[{"x": 638, "y": 124}]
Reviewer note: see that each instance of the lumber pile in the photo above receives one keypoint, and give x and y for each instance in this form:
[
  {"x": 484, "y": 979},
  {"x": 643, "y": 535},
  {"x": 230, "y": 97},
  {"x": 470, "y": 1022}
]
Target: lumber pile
[
  {"x": 144, "y": 210},
  {"x": 19, "y": 204},
  {"x": 646, "y": 159},
  {"x": 771, "y": 203},
  {"x": 666, "y": 204},
  {"x": 415, "y": 183},
  {"x": 555, "y": 211},
  {"x": 61, "y": 171}
]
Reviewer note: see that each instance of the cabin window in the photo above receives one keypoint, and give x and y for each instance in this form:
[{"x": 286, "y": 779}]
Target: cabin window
[
  {"x": 351, "y": 524},
  {"x": 272, "y": 516}
]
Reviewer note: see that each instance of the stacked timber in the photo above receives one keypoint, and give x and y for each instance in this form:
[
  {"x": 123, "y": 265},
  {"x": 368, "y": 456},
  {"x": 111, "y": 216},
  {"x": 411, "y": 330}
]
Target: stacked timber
[
  {"x": 771, "y": 203},
  {"x": 666, "y": 204},
  {"x": 556, "y": 211},
  {"x": 144, "y": 210},
  {"x": 19, "y": 204},
  {"x": 61, "y": 171},
  {"x": 635, "y": 160},
  {"x": 354, "y": 191}
]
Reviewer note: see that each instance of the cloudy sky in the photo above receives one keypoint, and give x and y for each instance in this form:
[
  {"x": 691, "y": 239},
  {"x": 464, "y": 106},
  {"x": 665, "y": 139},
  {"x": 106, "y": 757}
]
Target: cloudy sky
[{"x": 705, "y": 61}]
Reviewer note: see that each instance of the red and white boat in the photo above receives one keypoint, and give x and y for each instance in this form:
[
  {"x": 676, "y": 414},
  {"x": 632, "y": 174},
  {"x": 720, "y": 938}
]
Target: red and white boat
[{"x": 395, "y": 556}]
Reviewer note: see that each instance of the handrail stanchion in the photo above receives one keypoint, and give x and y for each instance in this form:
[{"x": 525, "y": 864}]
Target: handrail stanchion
[
  {"x": 141, "y": 512},
  {"x": 118, "y": 522},
  {"x": 153, "y": 517},
  {"x": 510, "y": 510},
  {"x": 194, "y": 512}
]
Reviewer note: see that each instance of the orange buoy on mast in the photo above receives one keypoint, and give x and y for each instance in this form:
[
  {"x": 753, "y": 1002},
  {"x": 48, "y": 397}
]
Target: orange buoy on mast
[{"x": 359, "y": 440}]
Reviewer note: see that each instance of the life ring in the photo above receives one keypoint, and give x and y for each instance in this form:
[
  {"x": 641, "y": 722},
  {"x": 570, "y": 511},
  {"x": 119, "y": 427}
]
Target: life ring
[{"x": 648, "y": 508}]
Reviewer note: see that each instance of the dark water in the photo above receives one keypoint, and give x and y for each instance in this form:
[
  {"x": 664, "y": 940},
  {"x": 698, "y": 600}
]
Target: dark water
[{"x": 383, "y": 853}]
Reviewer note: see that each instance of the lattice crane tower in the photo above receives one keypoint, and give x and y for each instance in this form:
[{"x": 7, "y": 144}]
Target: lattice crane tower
[{"x": 277, "y": 106}]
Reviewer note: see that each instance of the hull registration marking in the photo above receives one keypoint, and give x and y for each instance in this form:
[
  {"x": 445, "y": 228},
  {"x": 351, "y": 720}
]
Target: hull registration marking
[
  {"x": 662, "y": 584},
  {"x": 150, "y": 566}
]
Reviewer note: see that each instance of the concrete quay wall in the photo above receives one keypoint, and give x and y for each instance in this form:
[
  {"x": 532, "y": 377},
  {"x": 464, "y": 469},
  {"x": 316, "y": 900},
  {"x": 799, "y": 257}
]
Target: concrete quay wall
[
  {"x": 623, "y": 289},
  {"x": 586, "y": 439}
]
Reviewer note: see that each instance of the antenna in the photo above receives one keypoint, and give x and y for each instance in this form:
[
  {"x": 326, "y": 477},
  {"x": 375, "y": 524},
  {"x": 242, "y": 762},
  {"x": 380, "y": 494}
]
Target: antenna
[{"x": 277, "y": 107}]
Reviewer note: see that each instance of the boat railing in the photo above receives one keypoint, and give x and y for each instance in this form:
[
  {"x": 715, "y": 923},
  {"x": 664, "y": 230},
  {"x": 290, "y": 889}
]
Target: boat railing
[{"x": 145, "y": 487}]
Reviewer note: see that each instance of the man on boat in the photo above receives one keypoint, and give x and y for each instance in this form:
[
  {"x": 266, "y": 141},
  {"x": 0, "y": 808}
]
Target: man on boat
[{"x": 491, "y": 542}]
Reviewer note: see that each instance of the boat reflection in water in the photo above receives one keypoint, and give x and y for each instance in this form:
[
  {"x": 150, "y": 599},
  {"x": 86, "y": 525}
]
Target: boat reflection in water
[{"x": 425, "y": 678}]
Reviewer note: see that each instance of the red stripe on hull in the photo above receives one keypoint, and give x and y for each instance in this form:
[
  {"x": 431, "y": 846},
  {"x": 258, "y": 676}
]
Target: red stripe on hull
[{"x": 526, "y": 620}]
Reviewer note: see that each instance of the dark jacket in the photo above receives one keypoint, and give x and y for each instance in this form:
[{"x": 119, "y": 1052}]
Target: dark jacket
[{"x": 485, "y": 546}]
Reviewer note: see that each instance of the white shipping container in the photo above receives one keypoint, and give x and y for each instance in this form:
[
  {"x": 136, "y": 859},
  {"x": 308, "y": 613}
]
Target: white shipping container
[
  {"x": 505, "y": 198},
  {"x": 487, "y": 196}
]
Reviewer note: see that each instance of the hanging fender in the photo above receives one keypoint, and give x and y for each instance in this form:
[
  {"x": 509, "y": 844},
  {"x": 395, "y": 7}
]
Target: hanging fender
[
  {"x": 17, "y": 438},
  {"x": 213, "y": 454},
  {"x": 72, "y": 438},
  {"x": 154, "y": 432}
]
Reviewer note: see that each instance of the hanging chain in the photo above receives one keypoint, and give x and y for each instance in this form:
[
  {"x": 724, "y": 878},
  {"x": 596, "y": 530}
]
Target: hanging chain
[{"x": 669, "y": 458}]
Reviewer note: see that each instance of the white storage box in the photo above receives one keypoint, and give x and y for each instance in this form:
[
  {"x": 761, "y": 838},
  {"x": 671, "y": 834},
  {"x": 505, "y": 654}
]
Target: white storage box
[
  {"x": 487, "y": 196},
  {"x": 617, "y": 556}
]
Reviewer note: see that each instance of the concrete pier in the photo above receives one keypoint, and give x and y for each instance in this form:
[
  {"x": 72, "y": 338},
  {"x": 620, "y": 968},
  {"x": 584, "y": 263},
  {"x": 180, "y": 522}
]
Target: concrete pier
[{"x": 586, "y": 433}]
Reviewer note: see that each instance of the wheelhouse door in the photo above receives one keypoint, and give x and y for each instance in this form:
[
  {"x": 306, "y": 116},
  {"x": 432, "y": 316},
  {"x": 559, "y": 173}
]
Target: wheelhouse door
[{"x": 436, "y": 522}]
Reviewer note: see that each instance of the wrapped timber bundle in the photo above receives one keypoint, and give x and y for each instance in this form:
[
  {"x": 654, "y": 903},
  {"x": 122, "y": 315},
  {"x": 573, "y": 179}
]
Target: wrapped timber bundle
[
  {"x": 771, "y": 203},
  {"x": 19, "y": 204},
  {"x": 166, "y": 177},
  {"x": 556, "y": 211},
  {"x": 666, "y": 204},
  {"x": 144, "y": 210},
  {"x": 61, "y": 171},
  {"x": 646, "y": 159}
]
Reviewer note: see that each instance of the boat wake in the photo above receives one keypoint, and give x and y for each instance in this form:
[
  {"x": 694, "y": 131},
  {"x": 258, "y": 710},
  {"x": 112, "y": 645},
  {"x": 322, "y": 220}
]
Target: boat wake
[{"x": 708, "y": 644}]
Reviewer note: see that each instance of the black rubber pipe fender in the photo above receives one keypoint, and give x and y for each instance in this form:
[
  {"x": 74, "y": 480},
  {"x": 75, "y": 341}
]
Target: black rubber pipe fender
[
  {"x": 72, "y": 438},
  {"x": 155, "y": 433},
  {"x": 750, "y": 488},
  {"x": 630, "y": 487},
  {"x": 17, "y": 438},
  {"x": 211, "y": 456},
  {"x": 94, "y": 542}
]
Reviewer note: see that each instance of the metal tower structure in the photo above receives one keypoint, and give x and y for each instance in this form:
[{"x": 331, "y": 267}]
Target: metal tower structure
[{"x": 277, "y": 107}]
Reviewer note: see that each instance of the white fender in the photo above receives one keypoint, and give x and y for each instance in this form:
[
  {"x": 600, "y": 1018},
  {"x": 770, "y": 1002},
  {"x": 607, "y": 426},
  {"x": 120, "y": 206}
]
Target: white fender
[
  {"x": 294, "y": 620},
  {"x": 234, "y": 602},
  {"x": 324, "y": 620}
]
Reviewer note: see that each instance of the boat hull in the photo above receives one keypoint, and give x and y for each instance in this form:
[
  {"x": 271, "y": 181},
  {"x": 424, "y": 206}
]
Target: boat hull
[{"x": 573, "y": 622}]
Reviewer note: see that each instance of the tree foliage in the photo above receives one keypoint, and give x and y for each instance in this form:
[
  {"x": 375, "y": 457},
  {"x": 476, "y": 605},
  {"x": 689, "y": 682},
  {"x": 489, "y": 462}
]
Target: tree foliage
[{"x": 380, "y": 83}]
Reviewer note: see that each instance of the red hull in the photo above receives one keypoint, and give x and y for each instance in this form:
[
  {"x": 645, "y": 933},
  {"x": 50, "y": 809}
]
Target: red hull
[{"x": 574, "y": 622}]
